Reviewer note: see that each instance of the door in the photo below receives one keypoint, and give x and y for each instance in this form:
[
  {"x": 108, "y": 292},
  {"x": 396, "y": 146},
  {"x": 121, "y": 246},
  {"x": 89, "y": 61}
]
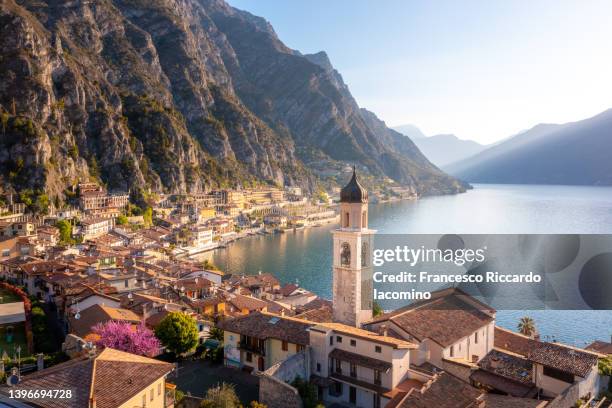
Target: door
[
  {"x": 353, "y": 395},
  {"x": 260, "y": 364}
]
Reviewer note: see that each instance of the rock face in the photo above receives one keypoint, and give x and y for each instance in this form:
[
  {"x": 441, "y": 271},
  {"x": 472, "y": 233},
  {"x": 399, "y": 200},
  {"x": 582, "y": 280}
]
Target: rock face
[{"x": 177, "y": 96}]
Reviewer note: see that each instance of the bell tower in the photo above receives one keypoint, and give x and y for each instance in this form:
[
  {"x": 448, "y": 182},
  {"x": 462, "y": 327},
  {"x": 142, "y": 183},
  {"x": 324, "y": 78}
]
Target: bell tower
[{"x": 352, "y": 264}]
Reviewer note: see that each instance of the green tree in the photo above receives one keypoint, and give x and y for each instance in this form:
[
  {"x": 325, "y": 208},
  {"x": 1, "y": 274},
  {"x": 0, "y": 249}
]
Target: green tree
[
  {"x": 122, "y": 220},
  {"x": 257, "y": 404},
  {"x": 377, "y": 310},
  {"x": 307, "y": 391},
  {"x": 65, "y": 230},
  {"x": 221, "y": 396},
  {"x": 605, "y": 368},
  {"x": 178, "y": 333},
  {"x": 527, "y": 326},
  {"x": 215, "y": 333},
  {"x": 148, "y": 216}
]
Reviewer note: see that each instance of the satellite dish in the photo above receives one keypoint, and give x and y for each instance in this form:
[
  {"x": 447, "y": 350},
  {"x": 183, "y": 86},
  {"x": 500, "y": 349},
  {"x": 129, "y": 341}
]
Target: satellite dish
[{"x": 77, "y": 316}]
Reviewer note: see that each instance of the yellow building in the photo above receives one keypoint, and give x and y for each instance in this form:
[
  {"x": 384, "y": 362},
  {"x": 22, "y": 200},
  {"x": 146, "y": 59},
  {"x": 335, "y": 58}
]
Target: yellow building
[{"x": 112, "y": 379}]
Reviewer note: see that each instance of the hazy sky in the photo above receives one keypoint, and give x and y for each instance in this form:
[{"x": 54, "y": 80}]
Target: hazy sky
[{"x": 480, "y": 69}]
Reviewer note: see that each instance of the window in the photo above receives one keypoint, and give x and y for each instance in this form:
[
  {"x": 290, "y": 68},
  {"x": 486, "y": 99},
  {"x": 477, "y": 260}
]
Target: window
[
  {"x": 338, "y": 366},
  {"x": 331, "y": 340},
  {"x": 364, "y": 254},
  {"x": 377, "y": 377},
  {"x": 126, "y": 283},
  {"x": 299, "y": 347},
  {"x": 249, "y": 357},
  {"x": 346, "y": 220},
  {"x": 318, "y": 367},
  {"x": 452, "y": 351},
  {"x": 6, "y": 252},
  {"x": 345, "y": 255},
  {"x": 354, "y": 343},
  {"x": 353, "y": 370},
  {"x": 476, "y": 338},
  {"x": 285, "y": 346},
  {"x": 558, "y": 374},
  {"x": 159, "y": 389},
  {"x": 152, "y": 394},
  {"x": 376, "y": 402},
  {"x": 338, "y": 339},
  {"x": 378, "y": 349}
]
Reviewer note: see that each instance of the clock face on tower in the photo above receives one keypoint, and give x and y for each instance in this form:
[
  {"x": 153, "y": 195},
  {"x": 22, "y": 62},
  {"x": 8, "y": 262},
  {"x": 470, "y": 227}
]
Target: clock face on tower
[{"x": 345, "y": 255}]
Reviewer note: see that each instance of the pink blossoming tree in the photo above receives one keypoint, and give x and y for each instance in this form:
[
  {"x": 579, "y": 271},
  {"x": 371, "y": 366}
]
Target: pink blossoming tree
[{"x": 125, "y": 337}]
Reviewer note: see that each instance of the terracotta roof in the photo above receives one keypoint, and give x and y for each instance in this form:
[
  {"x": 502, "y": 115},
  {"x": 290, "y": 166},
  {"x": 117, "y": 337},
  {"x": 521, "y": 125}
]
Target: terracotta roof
[
  {"x": 511, "y": 341},
  {"x": 445, "y": 391},
  {"x": 99, "y": 314},
  {"x": 360, "y": 360},
  {"x": 367, "y": 335},
  {"x": 111, "y": 378},
  {"x": 505, "y": 401},
  {"x": 288, "y": 289},
  {"x": 507, "y": 365},
  {"x": 244, "y": 302},
  {"x": 265, "y": 325},
  {"x": 567, "y": 359},
  {"x": 600, "y": 347},
  {"x": 320, "y": 315},
  {"x": 444, "y": 319}
]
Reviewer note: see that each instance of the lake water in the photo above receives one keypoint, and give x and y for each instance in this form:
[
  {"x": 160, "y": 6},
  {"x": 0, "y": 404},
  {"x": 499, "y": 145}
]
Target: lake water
[{"x": 305, "y": 256}]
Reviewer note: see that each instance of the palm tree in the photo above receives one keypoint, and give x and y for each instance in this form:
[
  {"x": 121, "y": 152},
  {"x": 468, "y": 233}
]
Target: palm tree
[{"x": 527, "y": 326}]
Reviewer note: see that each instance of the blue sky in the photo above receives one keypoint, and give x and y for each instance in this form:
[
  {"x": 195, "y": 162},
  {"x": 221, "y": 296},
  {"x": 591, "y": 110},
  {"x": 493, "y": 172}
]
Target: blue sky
[{"x": 483, "y": 70}]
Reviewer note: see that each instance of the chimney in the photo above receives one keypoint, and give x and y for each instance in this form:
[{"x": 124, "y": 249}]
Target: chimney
[
  {"x": 282, "y": 312},
  {"x": 384, "y": 330}
]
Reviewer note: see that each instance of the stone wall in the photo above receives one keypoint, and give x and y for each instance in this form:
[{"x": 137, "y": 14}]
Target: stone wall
[
  {"x": 274, "y": 388},
  {"x": 567, "y": 398}
]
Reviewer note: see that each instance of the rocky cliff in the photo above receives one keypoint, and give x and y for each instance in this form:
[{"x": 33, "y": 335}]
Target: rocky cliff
[{"x": 175, "y": 96}]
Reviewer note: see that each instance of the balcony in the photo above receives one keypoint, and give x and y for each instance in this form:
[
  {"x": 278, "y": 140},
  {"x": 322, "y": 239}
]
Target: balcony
[
  {"x": 257, "y": 349},
  {"x": 367, "y": 383}
]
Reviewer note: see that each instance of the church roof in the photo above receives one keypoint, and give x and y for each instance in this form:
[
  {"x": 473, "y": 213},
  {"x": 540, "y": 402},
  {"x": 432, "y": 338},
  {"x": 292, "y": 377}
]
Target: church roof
[{"x": 354, "y": 192}]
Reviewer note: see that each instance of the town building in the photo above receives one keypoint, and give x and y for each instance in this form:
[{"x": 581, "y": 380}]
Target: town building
[{"x": 110, "y": 379}]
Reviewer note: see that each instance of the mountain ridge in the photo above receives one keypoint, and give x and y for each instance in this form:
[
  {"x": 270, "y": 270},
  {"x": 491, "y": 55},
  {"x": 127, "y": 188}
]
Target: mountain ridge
[
  {"x": 546, "y": 154},
  {"x": 177, "y": 96}
]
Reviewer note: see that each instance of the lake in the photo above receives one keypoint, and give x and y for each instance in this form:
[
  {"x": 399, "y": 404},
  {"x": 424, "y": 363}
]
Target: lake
[{"x": 305, "y": 256}]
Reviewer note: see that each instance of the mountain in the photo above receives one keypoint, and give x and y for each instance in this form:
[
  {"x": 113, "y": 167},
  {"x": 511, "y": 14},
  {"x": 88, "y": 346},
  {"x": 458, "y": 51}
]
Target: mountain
[
  {"x": 411, "y": 131},
  {"x": 443, "y": 150},
  {"x": 576, "y": 153},
  {"x": 178, "y": 96}
]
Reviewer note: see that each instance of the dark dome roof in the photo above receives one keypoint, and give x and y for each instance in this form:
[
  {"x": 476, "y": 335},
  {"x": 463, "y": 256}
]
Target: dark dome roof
[{"x": 353, "y": 192}]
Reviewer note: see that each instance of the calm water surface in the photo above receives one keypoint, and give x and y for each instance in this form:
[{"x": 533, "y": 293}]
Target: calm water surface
[{"x": 305, "y": 256}]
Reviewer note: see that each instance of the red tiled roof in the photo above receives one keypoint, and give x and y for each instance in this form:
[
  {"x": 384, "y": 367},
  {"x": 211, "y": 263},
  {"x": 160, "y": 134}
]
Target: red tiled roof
[
  {"x": 600, "y": 347},
  {"x": 445, "y": 391},
  {"x": 264, "y": 325},
  {"x": 513, "y": 342},
  {"x": 564, "y": 358},
  {"x": 111, "y": 378},
  {"x": 444, "y": 319}
]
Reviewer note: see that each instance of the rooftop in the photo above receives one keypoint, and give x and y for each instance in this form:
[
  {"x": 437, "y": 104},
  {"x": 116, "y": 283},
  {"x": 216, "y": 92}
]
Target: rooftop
[
  {"x": 446, "y": 318},
  {"x": 111, "y": 378}
]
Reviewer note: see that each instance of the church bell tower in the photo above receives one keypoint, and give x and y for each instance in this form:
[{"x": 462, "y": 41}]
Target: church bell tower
[{"x": 352, "y": 263}]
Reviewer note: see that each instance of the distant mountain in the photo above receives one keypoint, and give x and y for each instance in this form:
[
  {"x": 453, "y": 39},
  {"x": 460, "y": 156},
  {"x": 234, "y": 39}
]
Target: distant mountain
[
  {"x": 443, "y": 150},
  {"x": 411, "y": 131},
  {"x": 576, "y": 153},
  {"x": 177, "y": 96}
]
